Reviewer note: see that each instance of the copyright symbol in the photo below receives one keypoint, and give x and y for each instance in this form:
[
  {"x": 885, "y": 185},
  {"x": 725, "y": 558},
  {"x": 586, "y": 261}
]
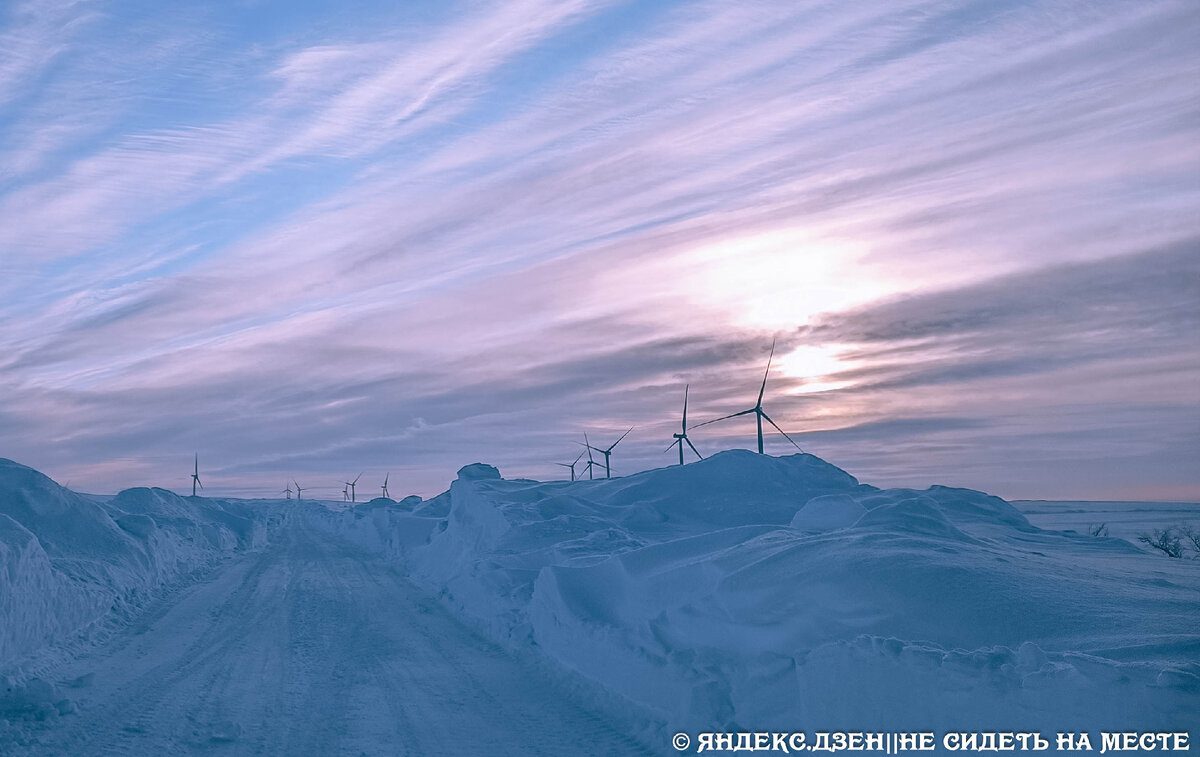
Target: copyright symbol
[{"x": 681, "y": 741}]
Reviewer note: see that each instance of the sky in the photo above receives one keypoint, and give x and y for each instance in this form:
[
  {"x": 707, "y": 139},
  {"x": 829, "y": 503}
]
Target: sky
[{"x": 309, "y": 240}]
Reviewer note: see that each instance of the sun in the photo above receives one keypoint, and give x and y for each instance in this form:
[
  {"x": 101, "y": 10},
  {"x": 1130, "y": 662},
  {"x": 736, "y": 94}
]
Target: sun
[
  {"x": 781, "y": 279},
  {"x": 817, "y": 367}
]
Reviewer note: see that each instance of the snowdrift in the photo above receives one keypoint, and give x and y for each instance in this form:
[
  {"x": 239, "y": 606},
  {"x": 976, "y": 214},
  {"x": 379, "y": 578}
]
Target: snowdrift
[
  {"x": 747, "y": 592},
  {"x": 69, "y": 560}
]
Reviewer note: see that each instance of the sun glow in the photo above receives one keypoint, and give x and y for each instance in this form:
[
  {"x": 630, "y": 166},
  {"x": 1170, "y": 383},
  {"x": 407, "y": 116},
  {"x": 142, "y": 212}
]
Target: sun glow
[
  {"x": 781, "y": 279},
  {"x": 817, "y": 366}
]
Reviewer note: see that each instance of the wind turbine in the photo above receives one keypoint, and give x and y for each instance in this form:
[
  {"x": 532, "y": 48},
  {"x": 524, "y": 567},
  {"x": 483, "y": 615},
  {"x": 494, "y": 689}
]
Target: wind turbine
[
  {"x": 299, "y": 491},
  {"x": 572, "y": 465},
  {"x": 682, "y": 436},
  {"x": 196, "y": 475},
  {"x": 288, "y": 490},
  {"x": 608, "y": 453},
  {"x": 346, "y": 492},
  {"x": 385, "y": 480},
  {"x": 757, "y": 410},
  {"x": 351, "y": 485},
  {"x": 587, "y": 446}
]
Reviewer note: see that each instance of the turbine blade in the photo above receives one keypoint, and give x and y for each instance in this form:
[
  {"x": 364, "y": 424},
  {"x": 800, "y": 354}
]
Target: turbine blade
[
  {"x": 685, "y": 394},
  {"x": 777, "y": 428},
  {"x": 668, "y": 449},
  {"x": 356, "y": 478},
  {"x": 578, "y": 458},
  {"x": 199, "y": 482},
  {"x": 689, "y": 441},
  {"x": 767, "y": 372},
  {"x": 726, "y": 417},
  {"x": 614, "y": 444}
]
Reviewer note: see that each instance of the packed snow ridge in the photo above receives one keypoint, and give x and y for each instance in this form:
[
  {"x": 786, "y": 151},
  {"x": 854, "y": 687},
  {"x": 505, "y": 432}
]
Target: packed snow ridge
[
  {"x": 72, "y": 564},
  {"x": 742, "y": 592},
  {"x": 754, "y": 592}
]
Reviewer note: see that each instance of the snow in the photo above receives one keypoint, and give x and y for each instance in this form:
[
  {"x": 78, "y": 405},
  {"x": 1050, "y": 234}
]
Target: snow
[
  {"x": 68, "y": 561},
  {"x": 828, "y": 513},
  {"x": 307, "y": 646},
  {"x": 741, "y": 592},
  {"x": 757, "y": 592}
]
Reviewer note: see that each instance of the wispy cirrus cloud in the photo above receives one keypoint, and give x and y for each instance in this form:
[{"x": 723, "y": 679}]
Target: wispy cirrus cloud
[
  {"x": 381, "y": 91},
  {"x": 36, "y": 32},
  {"x": 413, "y": 235}
]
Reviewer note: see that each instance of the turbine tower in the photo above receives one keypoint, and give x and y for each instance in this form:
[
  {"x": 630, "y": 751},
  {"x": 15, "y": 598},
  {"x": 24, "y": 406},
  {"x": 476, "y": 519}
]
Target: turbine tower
[
  {"x": 682, "y": 436},
  {"x": 608, "y": 453},
  {"x": 351, "y": 484},
  {"x": 572, "y": 465},
  {"x": 299, "y": 491},
  {"x": 196, "y": 475},
  {"x": 758, "y": 410},
  {"x": 587, "y": 446},
  {"x": 385, "y": 480}
]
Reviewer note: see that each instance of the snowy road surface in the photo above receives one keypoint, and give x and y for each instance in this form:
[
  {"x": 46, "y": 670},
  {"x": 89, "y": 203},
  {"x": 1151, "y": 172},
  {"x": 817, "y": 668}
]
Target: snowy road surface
[{"x": 312, "y": 647}]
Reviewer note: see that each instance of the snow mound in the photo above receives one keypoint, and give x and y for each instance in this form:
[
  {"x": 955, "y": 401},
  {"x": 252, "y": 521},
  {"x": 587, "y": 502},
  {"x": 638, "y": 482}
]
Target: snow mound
[
  {"x": 747, "y": 591},
  {"x": 68, "y": 561},
  {"x": 828, "y": 513},
  {"x": 478, "y": 471},
  {"x": 66, "y": 524},
  {"x": 375, "y": 503},
  {"x": 911, "y": 514},
  {"x": 730, "y": 488}
]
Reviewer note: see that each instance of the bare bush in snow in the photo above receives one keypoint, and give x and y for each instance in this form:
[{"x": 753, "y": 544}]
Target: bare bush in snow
[{"x": 1166, "y": 540}]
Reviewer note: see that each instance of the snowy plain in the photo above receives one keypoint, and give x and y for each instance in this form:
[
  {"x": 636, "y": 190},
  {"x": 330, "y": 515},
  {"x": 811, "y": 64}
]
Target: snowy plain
[{"x": 740, "y": 593}]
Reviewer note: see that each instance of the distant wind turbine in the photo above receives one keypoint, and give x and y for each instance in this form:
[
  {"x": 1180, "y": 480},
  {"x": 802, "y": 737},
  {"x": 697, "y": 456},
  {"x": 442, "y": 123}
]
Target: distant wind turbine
[
  {"x": 587, "y": 446},
  {"x": 346, "y": 493},
  {"x": 682, "y": 436},
  {"x": 758, "y": 410},
  {"x": 608, "y": 453},
  {"x": 351, "y": 485},
  {"x": 196, "y": 475},
  {"x": 385, "y": 480},
  {"x": 299, "y": 490},
  {"x": 287, "y": 491},
  {"x": 572, "y": 465}
]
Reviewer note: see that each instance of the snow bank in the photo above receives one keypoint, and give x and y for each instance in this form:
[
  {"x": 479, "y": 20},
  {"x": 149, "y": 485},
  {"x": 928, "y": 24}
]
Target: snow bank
[
  {"x": 751, "y": 592},
  {"x": 828, "y": 513},
  {"x": 392, "y": 529},
  {"x": 67, "y": 560}
]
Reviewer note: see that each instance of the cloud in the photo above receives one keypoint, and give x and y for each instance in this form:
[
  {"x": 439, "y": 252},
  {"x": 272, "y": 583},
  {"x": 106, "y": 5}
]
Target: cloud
[
  {"x": 145, "y": 174},
  {"x": 481, "y": 231},
  {"x": 1051, "y": 318},
  {"x": 37, "y": 32}
]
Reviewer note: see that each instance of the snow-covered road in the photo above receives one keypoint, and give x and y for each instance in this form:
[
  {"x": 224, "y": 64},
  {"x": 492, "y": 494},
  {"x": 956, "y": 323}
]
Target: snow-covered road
[{"x": 312, "y": 647}]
